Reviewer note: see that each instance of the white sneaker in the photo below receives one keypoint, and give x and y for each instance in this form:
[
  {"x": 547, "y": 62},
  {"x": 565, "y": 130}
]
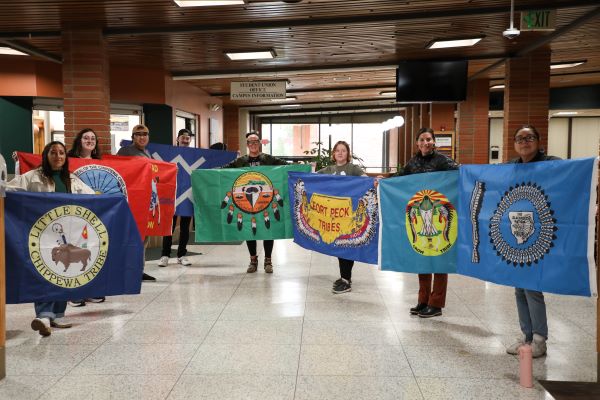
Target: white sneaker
[
  {"x": 61, "y": 322},
  {"x": 184, "y": 261},
  {"x": 514, "y": 348},
  {"x": 164, "y": 261},
  {"x": 42, "y": 325},
  {"x": 538, "y": 346}
]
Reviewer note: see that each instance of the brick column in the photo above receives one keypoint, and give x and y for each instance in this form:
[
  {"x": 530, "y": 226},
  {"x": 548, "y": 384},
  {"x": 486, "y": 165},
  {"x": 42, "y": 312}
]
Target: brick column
[
  {"x": 473, "y": 138},
  {"x": 526, "y": 97},
  {"x": 86, "y": 88},
  {"x": 231, "y": 127}
]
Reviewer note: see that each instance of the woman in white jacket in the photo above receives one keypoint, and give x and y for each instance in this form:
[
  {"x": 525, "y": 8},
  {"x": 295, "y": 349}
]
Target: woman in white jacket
[{"x": 52, "y": 176}]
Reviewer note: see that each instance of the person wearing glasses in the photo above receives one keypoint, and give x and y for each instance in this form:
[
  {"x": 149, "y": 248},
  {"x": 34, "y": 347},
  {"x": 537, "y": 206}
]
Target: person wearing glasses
[
  {"x": 255, "y": 158},
  {"x": 184, "y": 138},
  {"x": 531, "y": 305},
  {"x": 428, "y": 159},
  {"x": 140, "y": 137},
  {"x": 85, "y": 145}
]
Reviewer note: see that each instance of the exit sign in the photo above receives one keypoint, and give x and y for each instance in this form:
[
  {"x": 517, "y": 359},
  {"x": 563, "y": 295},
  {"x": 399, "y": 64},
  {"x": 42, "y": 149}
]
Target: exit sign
[{"x": 538, "y": 20}]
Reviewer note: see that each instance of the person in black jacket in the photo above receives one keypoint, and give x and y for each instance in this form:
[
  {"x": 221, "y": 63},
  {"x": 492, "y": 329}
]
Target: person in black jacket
[
  {"x": 428, "y": 159},
  {"x": 531, "y": 305},
  {"x": 256, "y": 158}
]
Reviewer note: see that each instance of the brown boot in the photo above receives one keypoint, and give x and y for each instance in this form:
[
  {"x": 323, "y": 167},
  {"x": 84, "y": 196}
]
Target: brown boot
[
  {"x": 268, "y": 265},
  {"x": 253, "y": 266}
]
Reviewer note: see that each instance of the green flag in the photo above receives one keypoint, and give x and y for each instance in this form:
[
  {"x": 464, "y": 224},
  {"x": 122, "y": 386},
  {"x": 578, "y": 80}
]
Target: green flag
[{"x": 251, "y": 203}]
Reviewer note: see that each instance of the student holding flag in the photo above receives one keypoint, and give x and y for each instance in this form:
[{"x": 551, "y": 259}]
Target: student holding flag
[
  {"x": 342, "y": 157},
  {"x": 52, "y": 176},
  {"x": 531, "y": 305},
  {"x": 184, "y": 138},
  {"x": 256, "y": 158},
  {"x": 428, "y": 159},
  {"x": 85, "y": 145}
]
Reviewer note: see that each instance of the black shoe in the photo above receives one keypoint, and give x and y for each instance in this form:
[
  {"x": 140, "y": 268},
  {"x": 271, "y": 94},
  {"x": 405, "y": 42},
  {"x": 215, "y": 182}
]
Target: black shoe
[
  {"x": 430, "y": 312},
  {"x": 146, "y": 277},
  {"x": 418, "y": 308},
  {"x": 77, "y": 303},
  {"x": 343, "y": 287},
  {"x": 336, "y": 283},
  {"x": 97, "y": 299}
]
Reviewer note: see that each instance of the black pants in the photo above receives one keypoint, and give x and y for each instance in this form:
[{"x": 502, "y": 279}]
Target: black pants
[
  {"x": 267, "y": 244},
  {"x": 184, "y": 237},
  {"x": 346, "y": 268}
]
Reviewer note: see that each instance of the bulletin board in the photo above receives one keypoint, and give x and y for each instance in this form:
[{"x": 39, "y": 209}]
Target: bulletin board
[{"x": 444, "y": 142}]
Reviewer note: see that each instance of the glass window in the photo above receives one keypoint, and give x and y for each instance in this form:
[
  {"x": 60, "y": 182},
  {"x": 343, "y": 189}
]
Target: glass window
[
  {"x": 368, "y": 146},
  {"x": 292, "y": 139},
  {"x": 120, "y": 129}
]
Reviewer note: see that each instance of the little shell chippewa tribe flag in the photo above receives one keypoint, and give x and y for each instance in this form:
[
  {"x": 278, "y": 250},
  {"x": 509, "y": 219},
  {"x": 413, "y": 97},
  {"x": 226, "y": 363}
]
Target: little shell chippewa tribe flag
[
  {"x": 530, "y": 225},
  {"x": 187, "y": 159},
  {"x": 65, "y": 246},
  {"x": 251, "y": 203},
  {"x": 419, "y": 223},
  {"x": 335, "y": 215}
]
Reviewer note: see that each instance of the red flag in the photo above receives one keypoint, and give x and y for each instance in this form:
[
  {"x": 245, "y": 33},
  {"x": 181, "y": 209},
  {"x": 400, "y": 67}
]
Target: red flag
[
  {"x": 129, "y": 176},
  {"x": 163, "y": 189}
]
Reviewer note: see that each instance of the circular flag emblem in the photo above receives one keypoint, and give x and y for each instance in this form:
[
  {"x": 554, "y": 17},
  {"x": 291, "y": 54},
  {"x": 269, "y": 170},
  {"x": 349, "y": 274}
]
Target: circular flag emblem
[
  {"x": 431, "y": 223},
  {"x": 103, "y": 179},
  {"x": 68, "y": 246},
  {"x": 252, "y": 192}
]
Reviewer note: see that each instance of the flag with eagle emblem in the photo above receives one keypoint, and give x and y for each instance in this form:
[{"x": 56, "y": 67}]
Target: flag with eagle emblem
[
  {"x": 419, "y": 223},
  {"x": 249, "y": 203}
]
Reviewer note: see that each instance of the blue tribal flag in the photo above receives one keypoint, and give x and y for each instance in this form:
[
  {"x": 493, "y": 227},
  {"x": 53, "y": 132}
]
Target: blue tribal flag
[
  {"x": 419, "y": 223},
  {"x": 64, "y": 246},
  {"x": 335, "y": 215},
  {"x": 187, "y": 160},
  {"x": 530, "y": 225}
]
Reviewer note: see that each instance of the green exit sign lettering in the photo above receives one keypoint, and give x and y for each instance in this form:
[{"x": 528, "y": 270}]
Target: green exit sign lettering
[{"x": 538, "y": 20}]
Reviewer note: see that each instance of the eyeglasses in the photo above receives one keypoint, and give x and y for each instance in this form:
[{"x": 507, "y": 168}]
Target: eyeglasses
[
  {"x": 253, "y": 142},
  {"x": 528, "y": 138},
  {"x": 140, "y": 134}
]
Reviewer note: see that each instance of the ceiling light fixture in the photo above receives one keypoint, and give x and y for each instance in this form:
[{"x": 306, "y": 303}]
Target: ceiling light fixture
[
  {"x": 567, "y": 64},
  {"x": 497, "y": 87},
  {"x": 387, "y": 93},
  {"x": 341, "y": 78},
  {"x": 286, "y": 99},
  {"x": 565, "y": 113},
  {"x": 251, "y": 55},
  {"x": 11, "y": 52},
  {"x": 207, "y": 3},
  {"x": 511, "y": 32},
  {"x": 458, "y": 42},
  {"x": 290, "y": 105}
]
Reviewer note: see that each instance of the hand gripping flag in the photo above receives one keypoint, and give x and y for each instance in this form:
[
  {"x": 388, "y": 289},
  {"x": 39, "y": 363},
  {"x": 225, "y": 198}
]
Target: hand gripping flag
[
  {"x": 187, "y": 159},
  {"x": 419, "y": 223},
  {"x": 250, "y": 203},
  {"x": 65, "y": 246},
  {"x": 335, "y": 215},
  {"x": 530, "y": 225}
]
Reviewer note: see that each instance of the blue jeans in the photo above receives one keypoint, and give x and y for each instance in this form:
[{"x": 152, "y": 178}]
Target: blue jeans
[
  {"x": 50, "y": 309},
  {"x": 532, "y": 313}
]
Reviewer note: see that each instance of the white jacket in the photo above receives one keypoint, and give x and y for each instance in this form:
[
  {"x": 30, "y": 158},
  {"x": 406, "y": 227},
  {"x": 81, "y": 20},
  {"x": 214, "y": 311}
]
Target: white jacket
[{"x": 35, "y": 181}]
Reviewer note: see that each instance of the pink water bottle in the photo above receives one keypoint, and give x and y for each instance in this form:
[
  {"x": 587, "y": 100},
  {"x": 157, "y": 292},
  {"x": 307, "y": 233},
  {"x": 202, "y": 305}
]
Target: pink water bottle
[{"x": 526, "y": 366}]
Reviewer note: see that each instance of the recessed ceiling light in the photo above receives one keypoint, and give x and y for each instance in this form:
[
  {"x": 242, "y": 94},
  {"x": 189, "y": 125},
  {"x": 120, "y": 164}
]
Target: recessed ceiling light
[
  {"x": 251, "y": 55},
  {"x": 387, "y": 93},
  {"x": 342, "y": 78},
  {"x": 286, "y": 99},
  {"x": 497, "y": 87},
  {"x": 290, "y": 105},
  {"x": 567, "y": 64},
  {"x": 207, "y": 3},
  {"x": 11, "y": 52},
  {"x": 566, "y": 113},
  {"x": 460, "y": 42}
]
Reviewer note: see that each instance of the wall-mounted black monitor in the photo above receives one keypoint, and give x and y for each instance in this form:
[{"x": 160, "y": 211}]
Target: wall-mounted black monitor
[{"x": 431, "y": 81}]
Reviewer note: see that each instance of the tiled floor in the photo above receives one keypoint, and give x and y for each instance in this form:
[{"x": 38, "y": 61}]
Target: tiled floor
[{"x": 211, "y": 331}]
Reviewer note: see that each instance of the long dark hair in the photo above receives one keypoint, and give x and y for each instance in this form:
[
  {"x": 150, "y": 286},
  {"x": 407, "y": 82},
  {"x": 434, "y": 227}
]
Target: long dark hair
[
  {"x": 47, "y": 171},
  {"x": 528, "y": 127},
  {"x": 76, "y": 149},
  {"x": 422, "y": 131}
]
